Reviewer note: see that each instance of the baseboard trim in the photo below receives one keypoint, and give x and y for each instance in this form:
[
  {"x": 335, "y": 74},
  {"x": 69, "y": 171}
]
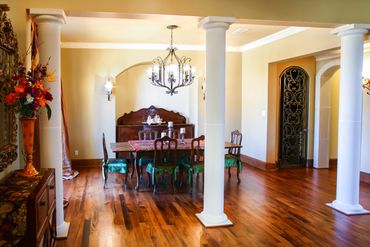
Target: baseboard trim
[
  {"x": 365, "y": 177},
  {"x": 333, "y": 163},
  {"x": 258, "y": 163},
  {"x": 81, "y": 163},
  {"x": 309, "y": 163}
]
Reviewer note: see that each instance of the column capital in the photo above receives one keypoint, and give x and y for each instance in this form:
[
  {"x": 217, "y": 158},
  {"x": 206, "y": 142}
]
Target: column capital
[
  {"x": 351, "y": 29},
  {"x": 216, "y": 22},
  {"x": 57, "y": 15}
]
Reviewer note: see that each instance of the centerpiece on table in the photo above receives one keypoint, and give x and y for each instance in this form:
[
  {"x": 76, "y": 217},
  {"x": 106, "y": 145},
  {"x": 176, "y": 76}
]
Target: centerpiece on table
[{"x": 28, "y": 97}]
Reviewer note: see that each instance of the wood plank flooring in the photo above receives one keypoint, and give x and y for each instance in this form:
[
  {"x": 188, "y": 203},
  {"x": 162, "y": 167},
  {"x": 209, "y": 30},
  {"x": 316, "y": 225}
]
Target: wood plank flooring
[{"x": 282, "y": 208}]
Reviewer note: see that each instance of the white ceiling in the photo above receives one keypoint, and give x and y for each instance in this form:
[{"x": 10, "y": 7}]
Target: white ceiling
[{"x": 154, "y": 31}]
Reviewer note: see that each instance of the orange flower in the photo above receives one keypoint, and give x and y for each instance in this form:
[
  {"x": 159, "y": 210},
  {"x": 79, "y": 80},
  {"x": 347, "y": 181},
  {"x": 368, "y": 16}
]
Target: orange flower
[
  {"x": 51, "y": 77},
  {"x": 42, "y": 102},
  {"x": 19, "y": 89},
  {"x": 38, "y": 84}
]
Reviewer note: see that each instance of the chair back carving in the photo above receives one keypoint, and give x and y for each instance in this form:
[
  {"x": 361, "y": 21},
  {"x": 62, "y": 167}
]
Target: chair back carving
[
  {"x": 105, "y": 150},
  {"x": 236, "y": 138},
  {"x": 147, "y": 134},
  {"x": 165, "y": 152},
  {"x": 197, "y": 152}
]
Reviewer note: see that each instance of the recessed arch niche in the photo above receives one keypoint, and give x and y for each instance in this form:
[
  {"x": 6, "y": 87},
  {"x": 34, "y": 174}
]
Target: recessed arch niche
[
  {"x": 323, "y": 109},
  {"x": 134, "y": 91}
]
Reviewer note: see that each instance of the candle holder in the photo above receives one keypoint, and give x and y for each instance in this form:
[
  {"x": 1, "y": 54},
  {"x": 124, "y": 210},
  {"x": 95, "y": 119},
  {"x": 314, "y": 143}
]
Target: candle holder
[
  {"x": 182, "y": 135},
  {"x": 182, "y": 138}
]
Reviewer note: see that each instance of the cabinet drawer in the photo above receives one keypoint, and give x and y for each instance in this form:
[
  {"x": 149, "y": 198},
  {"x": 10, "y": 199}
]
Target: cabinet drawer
[
  {"x": 41, "y": 212},
  {"x": 51, "y": 193}
]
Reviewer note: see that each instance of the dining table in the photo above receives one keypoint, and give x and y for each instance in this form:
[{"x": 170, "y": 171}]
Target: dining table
[{"x": 145, "y": 148}]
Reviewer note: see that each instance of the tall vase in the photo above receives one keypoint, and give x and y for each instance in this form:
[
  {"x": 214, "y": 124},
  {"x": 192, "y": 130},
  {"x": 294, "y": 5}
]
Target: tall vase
[{"x": 28, "y": 132}]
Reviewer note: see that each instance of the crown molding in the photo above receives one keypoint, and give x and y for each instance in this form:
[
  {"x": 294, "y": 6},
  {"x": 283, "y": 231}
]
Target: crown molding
[
  {"x": 273, "y": 37},
  {"x": 135, "y": 46}
]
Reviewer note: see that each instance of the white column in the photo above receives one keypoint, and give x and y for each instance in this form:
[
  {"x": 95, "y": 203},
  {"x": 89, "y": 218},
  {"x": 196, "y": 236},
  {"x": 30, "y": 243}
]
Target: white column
[
  {"x": 49, "y": 23},
  {"x": 349, "y": 124},
  {"x": 213, "y": 212}
]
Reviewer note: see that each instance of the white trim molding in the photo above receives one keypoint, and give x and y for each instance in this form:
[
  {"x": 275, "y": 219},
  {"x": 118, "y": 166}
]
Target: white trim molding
[
  {"x": 136, "y": 46},
  {"x": 273, "y": 37}
]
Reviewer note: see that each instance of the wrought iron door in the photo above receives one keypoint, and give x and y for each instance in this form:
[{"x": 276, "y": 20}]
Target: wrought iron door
[{"x": 293, "y": 117}]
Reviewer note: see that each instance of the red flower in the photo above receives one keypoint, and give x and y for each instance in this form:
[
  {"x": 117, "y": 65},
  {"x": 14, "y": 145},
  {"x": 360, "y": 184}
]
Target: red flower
[{"x": 11, "y": 98}]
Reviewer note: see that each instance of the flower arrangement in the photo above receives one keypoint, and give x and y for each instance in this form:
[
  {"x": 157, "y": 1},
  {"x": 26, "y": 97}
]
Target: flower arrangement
[{"x": 28, "y": 94}]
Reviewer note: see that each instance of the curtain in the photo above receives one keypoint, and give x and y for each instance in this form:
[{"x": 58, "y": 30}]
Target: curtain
[{"x": 68, "y": 173}]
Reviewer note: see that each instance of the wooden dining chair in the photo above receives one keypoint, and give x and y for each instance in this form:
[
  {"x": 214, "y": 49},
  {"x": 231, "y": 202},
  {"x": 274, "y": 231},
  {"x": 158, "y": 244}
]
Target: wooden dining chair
[
  {"x": 164, "y": 161},
  {"x": 146, "y": 135},
  {"x": 195, "y": 163},
  {"x": 112, "y": 165},
  {"x": 232, "y": 158}
]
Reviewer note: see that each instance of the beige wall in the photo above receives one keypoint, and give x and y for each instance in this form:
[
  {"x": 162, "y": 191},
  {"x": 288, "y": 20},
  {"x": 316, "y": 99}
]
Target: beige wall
[
  {"x": 365, "y": 150},
  {"x": 90, "y": 113},
  {"x": 133, "y": 91},
  {"x": 334, "y": 110},
  {"x": 256, "y": 107}
]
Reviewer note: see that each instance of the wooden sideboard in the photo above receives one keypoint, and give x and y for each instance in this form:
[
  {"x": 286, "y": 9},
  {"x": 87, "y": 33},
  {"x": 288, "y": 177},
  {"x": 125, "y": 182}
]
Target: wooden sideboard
[
  {"x": 131, "y": 123},
  {"x": 28, "y": 210}
]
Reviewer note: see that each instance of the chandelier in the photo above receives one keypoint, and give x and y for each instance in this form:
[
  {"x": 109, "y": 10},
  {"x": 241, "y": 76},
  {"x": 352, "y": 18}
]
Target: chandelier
[{"x": 172, "y": 72}]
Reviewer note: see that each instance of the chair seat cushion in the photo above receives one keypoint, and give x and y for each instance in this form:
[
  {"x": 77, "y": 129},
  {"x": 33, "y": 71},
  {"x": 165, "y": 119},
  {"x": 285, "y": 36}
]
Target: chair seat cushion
[
  {"x": 160, "y": 170},
  {"x": 116, "y": 165},
  {"x": 145, "y": 161},
  {"x": 230, "y": 160},
  {"x": 197, "y": 168}
]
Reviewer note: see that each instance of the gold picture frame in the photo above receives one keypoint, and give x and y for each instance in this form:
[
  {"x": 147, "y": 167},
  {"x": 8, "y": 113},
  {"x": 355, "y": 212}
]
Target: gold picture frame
[{"x": 8, "y": 65}]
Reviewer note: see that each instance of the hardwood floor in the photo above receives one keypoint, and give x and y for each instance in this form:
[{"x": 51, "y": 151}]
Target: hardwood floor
[{"x": 282, "y": 208}]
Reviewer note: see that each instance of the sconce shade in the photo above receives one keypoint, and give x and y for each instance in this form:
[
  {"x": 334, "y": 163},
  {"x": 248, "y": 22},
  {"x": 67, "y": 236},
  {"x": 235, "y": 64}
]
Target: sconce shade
[{"x": 108, "y": 87}]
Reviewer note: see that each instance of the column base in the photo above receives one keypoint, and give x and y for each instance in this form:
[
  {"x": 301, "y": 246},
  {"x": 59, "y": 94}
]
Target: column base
[
  {"x": 213, "y": 221},
  {"x": 62, "y": 230},
  {"x": 347, "y": 209}
]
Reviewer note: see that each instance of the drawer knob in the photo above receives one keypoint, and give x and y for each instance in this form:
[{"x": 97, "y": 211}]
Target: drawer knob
[
  {"x": 42, "y": 203},
  {"x": 51, "y": 187}
]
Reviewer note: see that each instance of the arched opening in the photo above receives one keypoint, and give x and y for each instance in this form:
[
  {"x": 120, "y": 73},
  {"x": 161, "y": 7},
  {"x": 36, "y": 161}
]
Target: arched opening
[
  {"x": 133, "y": 91},
  {"x": 323, "y": 115},
  {"x": 293, "y": 117}
]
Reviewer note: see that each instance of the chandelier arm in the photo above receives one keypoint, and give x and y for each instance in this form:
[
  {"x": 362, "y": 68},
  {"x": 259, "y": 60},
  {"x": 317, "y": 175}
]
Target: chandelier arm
[
  {"x": 158, "y": 61},
  {"x": 188, "y": 77}
]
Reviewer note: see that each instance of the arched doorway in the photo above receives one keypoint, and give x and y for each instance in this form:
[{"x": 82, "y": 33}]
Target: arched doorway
[
  {"x": 293, "y": 117},
  {"x": 323, "y": 110}
]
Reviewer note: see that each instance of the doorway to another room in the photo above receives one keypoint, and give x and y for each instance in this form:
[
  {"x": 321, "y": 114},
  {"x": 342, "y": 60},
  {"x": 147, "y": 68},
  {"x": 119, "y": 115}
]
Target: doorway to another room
[{"x": 293, "y": 117}]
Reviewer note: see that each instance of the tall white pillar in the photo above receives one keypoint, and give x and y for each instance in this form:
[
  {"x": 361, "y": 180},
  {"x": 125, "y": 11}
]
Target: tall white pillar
[
  {"x": 349, "y": 123},
  {"x": 213, "y": 211},
  {"x": 49, "y": 22}
]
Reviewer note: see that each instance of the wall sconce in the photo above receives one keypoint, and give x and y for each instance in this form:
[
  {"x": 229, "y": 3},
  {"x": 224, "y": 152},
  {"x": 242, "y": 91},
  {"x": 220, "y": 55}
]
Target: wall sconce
[
  {"x": 109, "y": 86},
  {"x": 204, "y": 90}
]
